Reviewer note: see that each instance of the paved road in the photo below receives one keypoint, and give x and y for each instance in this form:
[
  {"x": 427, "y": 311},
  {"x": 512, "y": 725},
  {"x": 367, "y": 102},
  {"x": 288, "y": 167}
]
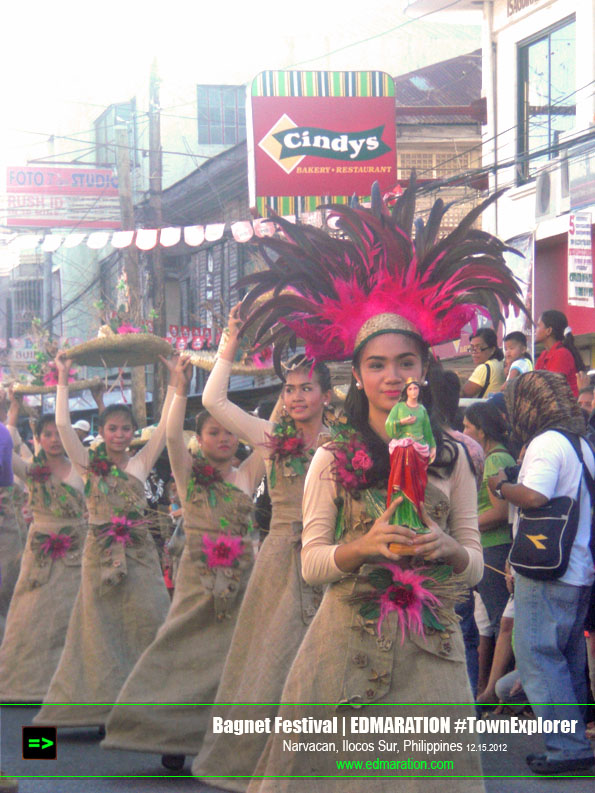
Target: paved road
[{"x": 79, "y": 754}]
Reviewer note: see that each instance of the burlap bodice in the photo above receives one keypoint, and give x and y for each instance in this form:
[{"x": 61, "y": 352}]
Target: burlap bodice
[
  {"x": 226, "y": 512},
  {"x": 59, "y": 504},
  {"x": 124, "y": 496},
  {"x": 370, "y": 655}
]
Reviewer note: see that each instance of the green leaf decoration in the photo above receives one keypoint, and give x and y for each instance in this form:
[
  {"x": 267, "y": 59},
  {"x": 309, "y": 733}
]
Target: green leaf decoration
[
  {"x": 340, "y": 522},
  {"x": 441, "y": 573},
  {"x": 380, "y": 578},
  {"x": 298, "y": 465},
  {"x": 250, "y": 526},
  {"x": 212, "y": 497},
  {"x": 223, "y": 523},
  {"x": 62, "y": 499},
  {"x": 430, "y": 620},
  {"x": 87, "y": 490},
  {"x": 190, "y": 489},
  {"x": 47, "y": 499},
  {"x": 102, "y": 486},
  {"x": 273, "y": 476},
  {"x": 227, "y": 499},
  {"x": 370, "y": 611}
]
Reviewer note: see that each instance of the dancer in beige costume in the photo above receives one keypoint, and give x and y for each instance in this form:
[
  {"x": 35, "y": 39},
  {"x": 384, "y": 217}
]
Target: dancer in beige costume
[
  {"x": 122, "y": 600},
  {"x": 357, "y": 661},
  {"x": 278, "y": 605},
  {"x": 184, "y": 662},
  {"x": 50, "y": 568},
  {"x": 386, "y": 633},
  {"x": 11, "y": 539}
]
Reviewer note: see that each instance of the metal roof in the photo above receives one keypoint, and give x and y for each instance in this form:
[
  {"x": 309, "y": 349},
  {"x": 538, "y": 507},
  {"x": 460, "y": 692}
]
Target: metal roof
[{"x": 456, "y": 81}]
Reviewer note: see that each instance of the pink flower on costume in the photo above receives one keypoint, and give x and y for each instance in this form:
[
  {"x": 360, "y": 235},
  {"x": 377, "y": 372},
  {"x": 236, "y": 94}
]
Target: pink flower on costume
[
  {"x": 56, "y": 545},
  {"x": 407, "y": 595},
  {"x": 120, "y": 528},
  {"x": 223, "y": 551},
  {"x": 128, "y": 327},
  {"x": 362, "y": 460}
]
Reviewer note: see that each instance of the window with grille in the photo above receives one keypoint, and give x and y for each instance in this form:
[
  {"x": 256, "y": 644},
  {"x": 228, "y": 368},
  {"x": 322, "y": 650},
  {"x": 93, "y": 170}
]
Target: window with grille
[
  {"x": 26, "y": 296},
  {"x": 433, "y": 165},
  {"x": 547, "y": 98},
  {"x": 221, "y": 114}
]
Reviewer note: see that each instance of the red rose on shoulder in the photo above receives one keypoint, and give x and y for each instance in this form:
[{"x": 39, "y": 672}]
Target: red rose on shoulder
[{"x": 362, "y": 460}]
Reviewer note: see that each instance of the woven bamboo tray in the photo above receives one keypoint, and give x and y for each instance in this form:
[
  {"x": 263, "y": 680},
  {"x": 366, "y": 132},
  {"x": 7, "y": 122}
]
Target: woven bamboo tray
[
  {"x": 77, "y": 385},
  {"x": 206, "y": 361},
  {"x": 130, "y": 349}
]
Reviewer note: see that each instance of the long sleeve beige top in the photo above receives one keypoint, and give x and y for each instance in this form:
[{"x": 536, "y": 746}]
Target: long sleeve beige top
[
  {"x": 245, "y": 426},
  {"x": 245, "y": 478},
  {"x": 138, "y": 466},
  {"x": 320, "y": 514}
]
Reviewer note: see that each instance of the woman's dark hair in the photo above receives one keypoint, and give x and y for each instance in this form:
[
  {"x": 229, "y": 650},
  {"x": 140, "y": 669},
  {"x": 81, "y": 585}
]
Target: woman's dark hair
[
  {"x": 47, "y": 418},
  {"x": 321, "y": 370},
  {"x": 357, "y": 409},
  {"x": 200, "y": 421},
  {"x": 446, "y": 389},
  {"x": 520, "y": 338},
  {"x": 488, "y": 418},
  {"x": 488, "y": 335},
  {"x": 558, "y": 322},
  {"x": 111, "y": 410}
]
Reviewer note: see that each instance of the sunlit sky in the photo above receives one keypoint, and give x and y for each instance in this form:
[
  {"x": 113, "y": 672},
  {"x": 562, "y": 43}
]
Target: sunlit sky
[{"x": 63, "y": 62}]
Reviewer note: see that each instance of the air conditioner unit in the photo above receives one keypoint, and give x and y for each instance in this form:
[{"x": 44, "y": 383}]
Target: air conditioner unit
[{"x": 552, "y": 194}]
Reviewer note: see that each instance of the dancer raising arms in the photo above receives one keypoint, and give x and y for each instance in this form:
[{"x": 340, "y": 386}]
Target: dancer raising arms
[
  {"x": 184, "y": 662},
  {"x": 122, "y": 599},
  {"x": 50, "y": 568},
  {"x": 278, "y": 605}
]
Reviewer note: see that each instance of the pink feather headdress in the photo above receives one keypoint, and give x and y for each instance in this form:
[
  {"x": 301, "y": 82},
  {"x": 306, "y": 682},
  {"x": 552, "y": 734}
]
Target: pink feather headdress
[{"x": 327, "y": 290}]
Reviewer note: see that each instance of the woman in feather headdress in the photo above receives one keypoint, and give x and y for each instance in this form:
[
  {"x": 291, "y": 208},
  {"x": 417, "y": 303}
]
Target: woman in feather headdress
[{"x": 385, "y": 631}]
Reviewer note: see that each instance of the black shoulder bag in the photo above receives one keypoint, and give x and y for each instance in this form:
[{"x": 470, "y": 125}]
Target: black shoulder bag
[{"x": 543, "y": 542}]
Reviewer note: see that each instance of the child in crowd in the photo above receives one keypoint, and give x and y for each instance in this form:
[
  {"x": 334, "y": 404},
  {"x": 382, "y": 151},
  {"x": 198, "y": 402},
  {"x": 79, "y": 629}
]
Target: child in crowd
[{"x": 517, "y": 360}]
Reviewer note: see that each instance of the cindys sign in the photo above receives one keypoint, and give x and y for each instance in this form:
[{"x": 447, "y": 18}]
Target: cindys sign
[
  {"x": 320, "y": 133},
  {"x": 352, "y": 146}
]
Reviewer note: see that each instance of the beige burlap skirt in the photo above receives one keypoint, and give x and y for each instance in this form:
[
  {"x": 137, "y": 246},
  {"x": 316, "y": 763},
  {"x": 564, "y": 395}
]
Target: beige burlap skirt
[
  {"x": 274, "y": 617},
  {"x": 11, "y": 548},
  {"x": 38, "y": 618},
  {"x": 343, "y": 660},
  {"x": 183, "y": 665},
  {"x": 121, "y": 603}
]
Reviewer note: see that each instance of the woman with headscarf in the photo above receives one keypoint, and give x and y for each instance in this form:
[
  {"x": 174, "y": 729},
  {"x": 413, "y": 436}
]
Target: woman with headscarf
[
  {"x": 550, "y": 614},
  {"x": 385, "y": 631}
]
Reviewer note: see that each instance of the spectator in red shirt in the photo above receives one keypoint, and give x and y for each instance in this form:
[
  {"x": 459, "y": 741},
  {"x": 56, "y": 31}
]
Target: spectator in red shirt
[{"x": 560, "y": 353}]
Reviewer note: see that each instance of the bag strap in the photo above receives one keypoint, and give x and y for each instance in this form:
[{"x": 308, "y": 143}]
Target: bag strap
[
  {"x": 487, "y": 382},
  {"x": 574, "y": 440}
]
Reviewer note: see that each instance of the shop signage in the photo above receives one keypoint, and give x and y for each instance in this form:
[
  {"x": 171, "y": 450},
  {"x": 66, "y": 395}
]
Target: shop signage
[
  {"x": 580, "y": 260},
  {"x": 48, "y": 197},
  {"x": 319, "y": 134}
]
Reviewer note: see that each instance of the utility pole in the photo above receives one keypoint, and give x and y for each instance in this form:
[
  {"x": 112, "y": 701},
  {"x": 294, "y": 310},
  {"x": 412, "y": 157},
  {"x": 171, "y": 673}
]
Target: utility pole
[
  {"x": 156, "y": 220},
  {"x": 132, "y": 268},
  {"x": 47, "y": 306}
]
